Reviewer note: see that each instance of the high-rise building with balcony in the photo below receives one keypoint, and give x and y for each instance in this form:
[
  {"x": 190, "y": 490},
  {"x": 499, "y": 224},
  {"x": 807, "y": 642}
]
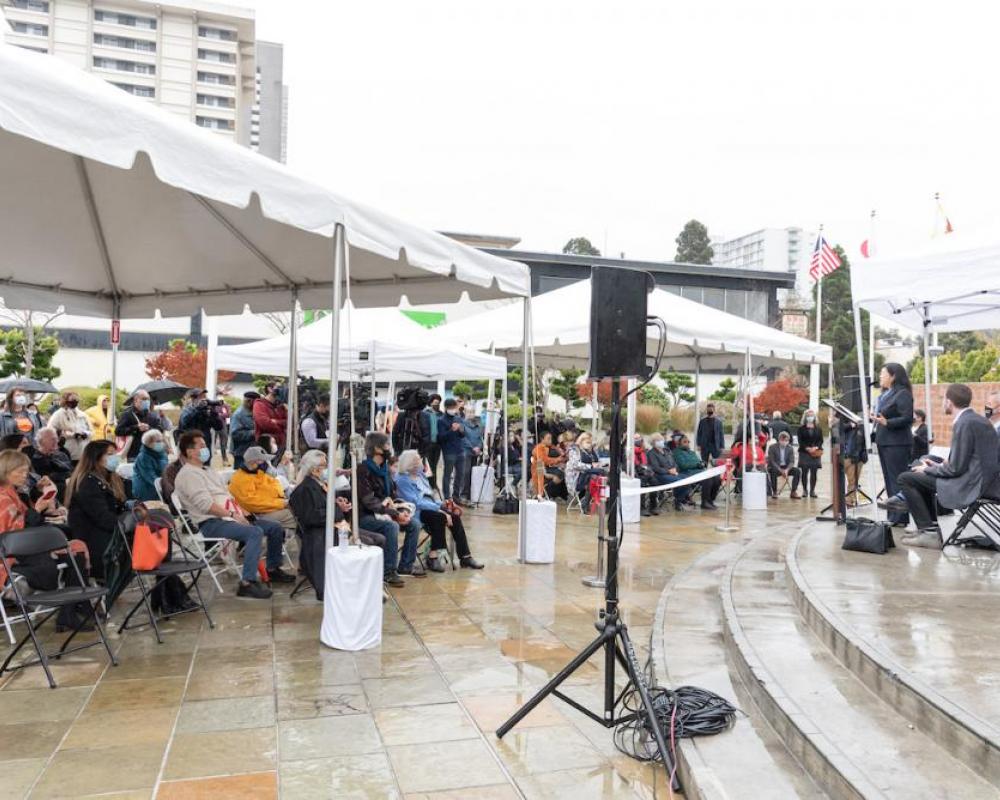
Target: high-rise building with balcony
[{"x": 195, "y": 58}]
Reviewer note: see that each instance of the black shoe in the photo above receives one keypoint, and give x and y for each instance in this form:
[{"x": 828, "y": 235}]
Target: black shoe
[
  {"x": 470, "y": 563},
  {"x": 186, "y": 604},
  {"x": 895, "y": 505},
  {"x": 654, "y": 511},
  {"x": 813, "y": 494},
  {"x": 645, "y": 512},
  {"x": 254, "y": 589},
  {"x": 393, "y": 579},
  {"x": 280, "y": 576},
  {"x": 435, "y": 564},
  {"x": 415, "y": 571}
]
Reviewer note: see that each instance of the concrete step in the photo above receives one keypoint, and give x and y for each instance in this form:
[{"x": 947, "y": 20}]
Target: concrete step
[
  {"x": 912, "y": 633},
  {"x": 750, "y": 760},
  {"x": 852, "y": 743}
]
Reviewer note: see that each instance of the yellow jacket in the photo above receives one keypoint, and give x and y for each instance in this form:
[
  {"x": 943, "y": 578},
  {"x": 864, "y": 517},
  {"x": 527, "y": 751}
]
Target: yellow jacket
[
  {"x": 258, "y": 492},
  {"x": 100, "y": 427}
]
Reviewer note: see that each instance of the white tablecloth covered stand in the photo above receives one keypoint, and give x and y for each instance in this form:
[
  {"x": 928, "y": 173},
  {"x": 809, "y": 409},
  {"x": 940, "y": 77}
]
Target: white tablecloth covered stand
[{"x": 352, "y": 599}]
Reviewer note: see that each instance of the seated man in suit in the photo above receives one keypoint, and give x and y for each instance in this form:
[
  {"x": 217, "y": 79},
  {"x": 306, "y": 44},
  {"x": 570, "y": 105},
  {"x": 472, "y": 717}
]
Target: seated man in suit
[
  {"x": 781, "y": 462},
  {"x": 971, "y": 466}
]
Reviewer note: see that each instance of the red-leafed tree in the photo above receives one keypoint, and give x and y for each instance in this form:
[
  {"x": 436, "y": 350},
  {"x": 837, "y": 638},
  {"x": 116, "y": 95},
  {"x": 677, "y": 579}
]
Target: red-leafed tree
[
  {"x": 780, "y": 395},
  {"x": 585, "y": 391},
  {"x": 183, "y": 362}
]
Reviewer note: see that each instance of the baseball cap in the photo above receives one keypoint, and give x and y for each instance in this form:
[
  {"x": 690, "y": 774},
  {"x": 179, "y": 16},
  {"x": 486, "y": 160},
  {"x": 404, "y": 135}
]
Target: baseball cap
[
  {"x": 251, "y": 395},
  {"x": 256, "y": 454}
]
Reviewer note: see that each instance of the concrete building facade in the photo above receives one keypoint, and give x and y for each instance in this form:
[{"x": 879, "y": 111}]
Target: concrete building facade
[
  {"x": 269, "y": 114},
  {"x": 192, "y": 57},
  {"x": 769, "y": 249}
]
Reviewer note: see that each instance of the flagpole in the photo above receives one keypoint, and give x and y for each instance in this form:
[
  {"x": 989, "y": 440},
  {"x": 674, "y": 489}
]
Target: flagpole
[
  {"x": 871, "y": 319},
  {"x": 814, "y": 369}
]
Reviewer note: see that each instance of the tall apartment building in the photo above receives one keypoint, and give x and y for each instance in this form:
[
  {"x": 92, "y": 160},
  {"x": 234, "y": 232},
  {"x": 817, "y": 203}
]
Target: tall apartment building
[
  {"x": 269, "y": 115},
  {"x": 195, "y": 58},
  {"x": 770, "y": 249}
]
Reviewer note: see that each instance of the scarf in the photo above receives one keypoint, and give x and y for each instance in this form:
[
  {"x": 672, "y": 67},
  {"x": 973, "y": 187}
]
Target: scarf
[{"x": 382, "y": 472}]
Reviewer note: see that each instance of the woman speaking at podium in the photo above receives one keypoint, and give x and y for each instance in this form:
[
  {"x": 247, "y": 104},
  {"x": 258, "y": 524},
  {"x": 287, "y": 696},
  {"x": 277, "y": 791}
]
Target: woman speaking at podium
[{"x": 892, "y": 419}]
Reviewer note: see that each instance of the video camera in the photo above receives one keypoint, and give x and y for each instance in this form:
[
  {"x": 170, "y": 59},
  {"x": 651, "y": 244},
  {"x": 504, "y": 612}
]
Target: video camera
[
  {"x": 412, "y": 398},
  {"x": 362, "y": 406}
]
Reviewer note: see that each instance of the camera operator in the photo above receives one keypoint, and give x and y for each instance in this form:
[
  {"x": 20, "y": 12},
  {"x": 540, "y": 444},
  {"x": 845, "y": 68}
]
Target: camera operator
[
  {"x": 135, "y": 420},
  {"x": 201, "y": 414},
  {"x": 316, "y": 425},
  {"x": 412, "y": 430},
  {"x": 270, "y": 414}
]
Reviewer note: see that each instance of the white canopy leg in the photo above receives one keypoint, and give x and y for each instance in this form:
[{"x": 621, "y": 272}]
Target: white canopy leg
[
  {"x": 697, "y": 391},
  {"x": 339, "y": 246},
  {"x": 522, "y": 518},
  {"x": 291, "y": 439},
  {"x": 593, "y": 411},
  {"x": 112, "y": 404},
  {"x": 865, "y": 397},
  {"x": 927, "y": 374},
  {"x": 506, "y": 437},
  {"x": 630, "y": 427}
]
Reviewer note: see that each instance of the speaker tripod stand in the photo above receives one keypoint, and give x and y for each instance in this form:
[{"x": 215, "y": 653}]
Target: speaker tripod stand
[{"x": 612, "y": 637}]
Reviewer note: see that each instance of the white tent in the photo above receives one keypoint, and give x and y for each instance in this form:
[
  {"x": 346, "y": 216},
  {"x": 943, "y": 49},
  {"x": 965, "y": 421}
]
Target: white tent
[
  {"x": 953, "y": 284},
  {"x": 697, "y": 335},
  {"x": 380, "y": 341},
  {"x": 112, "y": 207}
]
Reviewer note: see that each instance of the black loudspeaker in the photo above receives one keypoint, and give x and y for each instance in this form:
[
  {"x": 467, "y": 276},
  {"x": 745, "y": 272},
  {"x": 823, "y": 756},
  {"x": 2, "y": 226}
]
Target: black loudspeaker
[
  {"x": 618, "y": 299},
  {"x": 850, "y": 392}
]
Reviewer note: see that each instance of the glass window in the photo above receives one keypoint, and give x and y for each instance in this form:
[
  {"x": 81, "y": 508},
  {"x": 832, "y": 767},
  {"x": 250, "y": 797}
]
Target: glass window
[
  {"x": 716, "y": 298},
  {"x": 757, "y": 307},
  {"x": 671, "y": 289},
  {"x": 33, "y": 49},
  {"x": 138, "y": 91},
  {"x": 130, "y": 20},
  {"x": 216, "y": 78},
  {"x": 124, "y": 66},
  {"x": 215, "y": 123},
  {"x": 736, "y": 302},
  {"x": 124, "y": 41},
  {"x": 40, "y": 6},
  {"x": 222, "y": 34},
  {"x": 30, "y": 28},
  {"x": 216, "y": 101},
  {"x": 691, "y": 293},
  {"x": 216, "y": 55}
]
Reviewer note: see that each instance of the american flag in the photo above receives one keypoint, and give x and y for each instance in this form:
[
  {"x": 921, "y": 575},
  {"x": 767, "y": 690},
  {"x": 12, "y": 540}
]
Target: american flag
[{"x": 824, "y": 259}]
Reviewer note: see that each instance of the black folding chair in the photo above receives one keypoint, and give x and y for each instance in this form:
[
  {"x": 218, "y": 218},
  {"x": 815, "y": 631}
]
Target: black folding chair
[
  {"x": 45, "y": 540},
  {"x": 983, "y": 514},
  {"x": 166, "y": 570}
]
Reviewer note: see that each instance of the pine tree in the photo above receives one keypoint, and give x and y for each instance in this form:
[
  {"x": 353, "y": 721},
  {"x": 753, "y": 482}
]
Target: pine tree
[
  {"x": 580, "y": 246},
  {"x": 693, "y": 244}
]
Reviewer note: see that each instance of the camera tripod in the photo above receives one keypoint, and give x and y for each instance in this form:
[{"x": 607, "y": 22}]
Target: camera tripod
[{"x": 612, "y": 637}]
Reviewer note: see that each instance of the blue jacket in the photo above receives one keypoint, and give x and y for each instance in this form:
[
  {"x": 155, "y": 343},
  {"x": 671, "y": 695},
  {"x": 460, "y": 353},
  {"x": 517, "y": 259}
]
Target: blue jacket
[
  {"x": 451, "y": 441},
  {"x": 148, "y": 466},
  {"x": 415, "y": 489},
  {"x": 473, "y": 435},
  {"x": 241, "y": 432}
]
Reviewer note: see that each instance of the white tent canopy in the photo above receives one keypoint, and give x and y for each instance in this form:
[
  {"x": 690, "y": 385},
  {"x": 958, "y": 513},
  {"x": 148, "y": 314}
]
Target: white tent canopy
[
  {"x": 383, "y": 341},
  {"x": 697, "y": 335},
  {"x": 111, "y": 206},
  {"x": 953, "y": 284}
]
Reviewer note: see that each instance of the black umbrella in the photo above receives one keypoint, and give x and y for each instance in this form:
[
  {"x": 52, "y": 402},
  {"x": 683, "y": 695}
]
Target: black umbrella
[
  {"x": 28, "y": 384},
  {"x": 162, "y": 391}
]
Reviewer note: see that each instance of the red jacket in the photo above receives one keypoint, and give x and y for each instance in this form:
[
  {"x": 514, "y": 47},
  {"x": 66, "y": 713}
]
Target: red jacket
[{"x": 270, "y": 419}]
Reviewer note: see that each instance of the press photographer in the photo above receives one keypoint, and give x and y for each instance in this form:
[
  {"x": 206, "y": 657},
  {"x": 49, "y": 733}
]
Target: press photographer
[{"x": 412, "y": 430}]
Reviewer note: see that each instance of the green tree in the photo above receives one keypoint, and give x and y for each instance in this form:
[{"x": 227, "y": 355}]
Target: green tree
[
  {"x": 838, "y": 320},
  {"x": 20, "y": 350},
  {"x": 726, "y": 391},
  {"x": 957, "y": 367},
  {"x": 677, "y": 384},
  {"x": 651, "y": 395},
  {"x": 564, "y": 386},
  {"x": 580, "y": 246},
  {"x": 693, "y": 244},
  {"x": 962, "y": 342}
]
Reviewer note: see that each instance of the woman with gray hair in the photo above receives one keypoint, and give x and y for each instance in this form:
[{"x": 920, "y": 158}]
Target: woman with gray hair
[
  {"x": 413, "y": 487},
  {"x": 149, "y": 465},
  {"x": 308, "y": 503}
]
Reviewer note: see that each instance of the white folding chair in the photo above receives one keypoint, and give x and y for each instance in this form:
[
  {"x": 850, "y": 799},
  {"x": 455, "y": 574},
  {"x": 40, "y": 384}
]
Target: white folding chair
[{"x": 208, "y": 550}]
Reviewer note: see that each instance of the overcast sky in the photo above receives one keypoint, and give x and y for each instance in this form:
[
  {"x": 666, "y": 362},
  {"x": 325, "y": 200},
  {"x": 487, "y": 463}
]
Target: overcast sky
[{"x": 619, "y": 121}]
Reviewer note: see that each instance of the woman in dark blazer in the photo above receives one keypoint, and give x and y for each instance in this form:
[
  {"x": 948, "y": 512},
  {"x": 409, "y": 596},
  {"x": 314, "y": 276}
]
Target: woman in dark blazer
[
  {"x": 95, "y": 496},
  {"x": 893, "y": 418},
  {"x": 810, "y": 437},
  {"x": 921, "y": 445}
]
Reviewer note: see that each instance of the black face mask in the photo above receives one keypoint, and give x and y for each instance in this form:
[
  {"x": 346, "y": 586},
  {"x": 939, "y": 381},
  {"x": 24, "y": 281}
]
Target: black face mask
[
  {"x": 73, "y": 403},
  {"x": 251, "y": 470},
  {"x": 711, "y": 412},
  {"x": 988, "y": 411}
]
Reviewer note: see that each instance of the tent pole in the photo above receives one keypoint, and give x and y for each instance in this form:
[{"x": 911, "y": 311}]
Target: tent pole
[
  {"x": 112, "y": 401},
  {"x": 630, "y": 427},
  {"x": 865, "y": 400},
  {"x": 522, "y": 518},
  {"x": 593, "y": 411},
  {"x": 506, "y": 437},
  {"x": 697, "y": 391},
  {"x": 934, "y": 358},
  {"x": 211, "y": 373},
  {"x": 927, "y": 373},
  {"x": 491, "y": 419},
  {"x": 291, "y": 440},
  {"x": 331, "y": 453},
  {"x": 753, "y": 422},
  {"x": 371, "y": 412}
]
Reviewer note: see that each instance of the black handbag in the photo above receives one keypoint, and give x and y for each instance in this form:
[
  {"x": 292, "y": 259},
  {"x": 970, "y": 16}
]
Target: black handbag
[
  {"x": 505, "y": 504},
  {"x": 868, "y": 536}
]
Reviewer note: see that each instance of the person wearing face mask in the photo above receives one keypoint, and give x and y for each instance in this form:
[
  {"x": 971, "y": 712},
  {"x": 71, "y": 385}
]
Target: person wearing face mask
[
  {"x": 97, "y": 416},
  {"x": 710, "y": 438},
  {"x": 971, "y": 467},
  {"x": 149, "y": 465},
  {"x": 14, "y": 416},
  {"x": 921, "y": 444},
  {"x": 205, "y": 496},
  {"x": 72, "y": 426},
  {"x": 810, "y": 451},
  {"x": 664, "y": 468},
  {"x": 95, "y": 496},
  {"x": 260, "y": 493},
  {"x": 992, "y": 410},
  {"x": 136, "y": 419},
  {"x": 688, "y": 463},
  {"x": 270, "y": 416}
]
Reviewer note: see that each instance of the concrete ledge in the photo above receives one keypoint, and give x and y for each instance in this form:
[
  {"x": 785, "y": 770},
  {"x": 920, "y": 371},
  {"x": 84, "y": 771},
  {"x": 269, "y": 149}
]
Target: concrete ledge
[{"x": 967, "y": 737}]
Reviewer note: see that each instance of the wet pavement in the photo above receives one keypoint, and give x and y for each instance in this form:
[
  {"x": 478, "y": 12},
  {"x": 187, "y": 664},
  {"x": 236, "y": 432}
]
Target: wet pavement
[{"x": 258, "y": 708}]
